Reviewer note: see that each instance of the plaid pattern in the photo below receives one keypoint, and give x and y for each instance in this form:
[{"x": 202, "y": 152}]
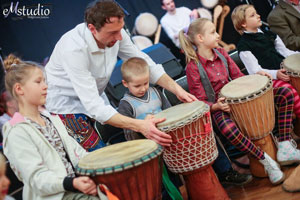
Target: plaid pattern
[
  {"x": 216, "y": 72},
  {"x": 280, "y": 83},
  {"x": 50, "y": 133},
  {"x": 284, "y": 103},
  {"x": 229, "y": 129},
  {"x": 80, "y": 127}
]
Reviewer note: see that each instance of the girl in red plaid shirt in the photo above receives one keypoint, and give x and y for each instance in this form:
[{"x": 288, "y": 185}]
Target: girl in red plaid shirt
[{"x": 200, "y": 45}]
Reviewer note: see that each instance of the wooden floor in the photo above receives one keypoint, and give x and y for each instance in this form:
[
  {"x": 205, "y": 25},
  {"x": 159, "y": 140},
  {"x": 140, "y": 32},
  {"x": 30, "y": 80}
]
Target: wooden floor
[{"x": 262, "y": 189}]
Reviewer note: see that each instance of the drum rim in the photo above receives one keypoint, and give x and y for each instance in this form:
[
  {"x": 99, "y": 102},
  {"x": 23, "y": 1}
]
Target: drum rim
[
  {"x": 289, "y": 71},
  {"x": 120, "y": 167},
  {"x": 250, "y": 96},
  {"x": 188, "y": 120}
]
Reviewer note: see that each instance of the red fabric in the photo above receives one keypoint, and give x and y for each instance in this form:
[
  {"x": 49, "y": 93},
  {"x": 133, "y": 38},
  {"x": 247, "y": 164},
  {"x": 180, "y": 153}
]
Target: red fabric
[{"x": 216, "y": 72}]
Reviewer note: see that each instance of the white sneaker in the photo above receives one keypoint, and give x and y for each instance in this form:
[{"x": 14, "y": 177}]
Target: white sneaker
[
  {"x": 288, "y": 153},
  {"x": 272, "y": 168}
]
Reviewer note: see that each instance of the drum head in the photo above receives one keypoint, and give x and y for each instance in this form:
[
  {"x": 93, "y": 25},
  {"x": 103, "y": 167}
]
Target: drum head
[
  {"x": 118, "y": 157},
  {"x": 209, "y": 3},
  {"x": 146, "y": 24},
  {"x": 142, "y": 42},
  {"x": 292, "y": 63},
  {"x": 182, "y": 114},
  {"x": 246, "y": 87}
]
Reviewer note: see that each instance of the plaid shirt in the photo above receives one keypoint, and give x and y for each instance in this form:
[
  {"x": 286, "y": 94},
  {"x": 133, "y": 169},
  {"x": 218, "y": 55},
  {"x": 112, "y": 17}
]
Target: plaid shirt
[{"x": 216, "y": 72}]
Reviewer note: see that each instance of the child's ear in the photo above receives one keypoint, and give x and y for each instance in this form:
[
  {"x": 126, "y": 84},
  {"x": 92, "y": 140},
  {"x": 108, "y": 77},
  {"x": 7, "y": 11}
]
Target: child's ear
[
  {"x": 124, "y": 83},
  {"x": 200, "y": 38},
  {"x": 18, "y": 89},
  {"x": 243, "y": 25}
]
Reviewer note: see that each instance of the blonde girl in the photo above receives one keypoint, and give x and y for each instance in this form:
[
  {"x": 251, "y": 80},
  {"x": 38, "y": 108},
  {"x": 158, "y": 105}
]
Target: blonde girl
[
  {"x": 37, "y": 145},
  {"x": 208, "y": 69}
]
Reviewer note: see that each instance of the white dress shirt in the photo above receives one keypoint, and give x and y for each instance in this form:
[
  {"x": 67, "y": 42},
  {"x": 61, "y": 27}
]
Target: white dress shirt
[
  {"x": 251, "y": 63},
  {"x": 172, "y": 24},
  {"x": 78, "y": 72}
]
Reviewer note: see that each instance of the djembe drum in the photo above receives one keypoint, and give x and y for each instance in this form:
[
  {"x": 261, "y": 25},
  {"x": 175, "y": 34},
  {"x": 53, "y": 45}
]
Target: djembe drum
[
  {"x": 146, "y": 24},
  {"x": 193, "y": 149},
  {"x": 292, "y": 66},
  {"x": 131, "y": 170},
  {"x": 251, "y": 102}
]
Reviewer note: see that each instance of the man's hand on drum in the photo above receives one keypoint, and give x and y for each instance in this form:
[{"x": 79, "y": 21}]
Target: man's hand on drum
[
  {"x": 220, "y": 105},
  {"x": 85, "y": 185},
  {"x": 263, "y": 73},
  {"x": 184, "y": 96},
  {"x": 282, "y": 75},
  {"x": 150, "y": 131}
]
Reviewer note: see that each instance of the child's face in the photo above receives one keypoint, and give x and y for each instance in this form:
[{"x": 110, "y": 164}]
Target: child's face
[
  {"x": 35, "y": 88},
  {"x": 138, "y": 85},
  {"x": 252, "y": 20},
  {"x": 4, "y": 183},
  {"x": 210, "y": 37}
]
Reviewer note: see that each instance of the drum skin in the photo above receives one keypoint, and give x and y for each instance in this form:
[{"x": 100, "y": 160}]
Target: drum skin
[
  {"x": 254, "y": 115},
  {"x": 251, "y": 102},
  {"x": 292, "y": 66},
  {"x": 131, "y": 170},
  {"x": 193, "y": 149}
]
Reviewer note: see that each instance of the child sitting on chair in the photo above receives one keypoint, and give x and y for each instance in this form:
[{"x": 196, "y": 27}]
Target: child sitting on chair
[
  {"x": 142, "y": 100},
  {"x": 216, "y": 68},
  {"x": 39, "y": 149},
  {"x": 261, "y": 49}
]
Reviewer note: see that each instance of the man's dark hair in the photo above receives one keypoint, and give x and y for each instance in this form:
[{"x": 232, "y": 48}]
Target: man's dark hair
[{"x": 99, "y": 12}]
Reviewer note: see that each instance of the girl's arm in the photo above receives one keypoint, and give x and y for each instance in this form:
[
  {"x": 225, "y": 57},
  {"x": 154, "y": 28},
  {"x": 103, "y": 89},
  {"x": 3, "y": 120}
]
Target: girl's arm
[{"x": 252, "y": 65}]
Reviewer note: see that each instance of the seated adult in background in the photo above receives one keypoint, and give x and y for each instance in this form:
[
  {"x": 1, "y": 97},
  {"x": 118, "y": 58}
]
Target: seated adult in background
[
  {"x": 284, "y": 20},
  {"x": 176, "y": 19},
  {"x": 80, "y": 67}
]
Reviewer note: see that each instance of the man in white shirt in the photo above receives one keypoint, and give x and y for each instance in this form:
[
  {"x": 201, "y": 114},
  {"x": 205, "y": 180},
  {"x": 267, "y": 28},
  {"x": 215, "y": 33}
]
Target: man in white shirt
[
  {"x": 81, "y": 65},
  {"x": 176, "y": 19}
]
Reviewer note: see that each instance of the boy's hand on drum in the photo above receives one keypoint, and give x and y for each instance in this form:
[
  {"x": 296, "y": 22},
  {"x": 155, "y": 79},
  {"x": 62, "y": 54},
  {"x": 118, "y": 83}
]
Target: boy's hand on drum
[
  {"x": 263, "y": 73},
  {"x": 85, "y": 185},
  {"x": 282, "y": 75},
  {"x": 150, "y": 131},
  {"x": 221, "y": 105}
]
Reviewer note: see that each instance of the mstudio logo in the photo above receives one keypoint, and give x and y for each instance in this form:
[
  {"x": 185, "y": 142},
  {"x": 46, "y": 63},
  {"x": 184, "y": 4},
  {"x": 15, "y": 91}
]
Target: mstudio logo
[{"x": 32, "y": 11}]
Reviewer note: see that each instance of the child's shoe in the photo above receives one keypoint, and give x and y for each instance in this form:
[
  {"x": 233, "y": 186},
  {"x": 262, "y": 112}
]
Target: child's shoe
[
  {"x": 272, "y": 168},
  {"x": 288, "y": 153}
]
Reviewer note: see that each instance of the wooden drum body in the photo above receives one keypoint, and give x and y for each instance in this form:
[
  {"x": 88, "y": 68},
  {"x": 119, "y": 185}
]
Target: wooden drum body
[
  {"x": 292, "y": 66},
  {"x": 251, "y": 102},
  {"x": 193, "y": 148},
  {"x": 131, "y": 170}
]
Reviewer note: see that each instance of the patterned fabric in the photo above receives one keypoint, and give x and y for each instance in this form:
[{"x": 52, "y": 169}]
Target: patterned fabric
[
  {"x": 280, "y": 83},
  {"x": 50, "y": 133},
  {"x": 216, "y": 73},
  {"x": 142, "y": 108},
  {"x": 81, "y": 129}
]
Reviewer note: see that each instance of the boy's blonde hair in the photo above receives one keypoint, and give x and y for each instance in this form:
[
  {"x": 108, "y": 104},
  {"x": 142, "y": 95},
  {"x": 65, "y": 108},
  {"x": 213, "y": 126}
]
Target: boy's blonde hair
[
  {"x": 17, "y": 71},
  {"x": 187, "y": 38},
  {"x": 238, "y": 17},
  {"x": 134, "y": 67}
]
